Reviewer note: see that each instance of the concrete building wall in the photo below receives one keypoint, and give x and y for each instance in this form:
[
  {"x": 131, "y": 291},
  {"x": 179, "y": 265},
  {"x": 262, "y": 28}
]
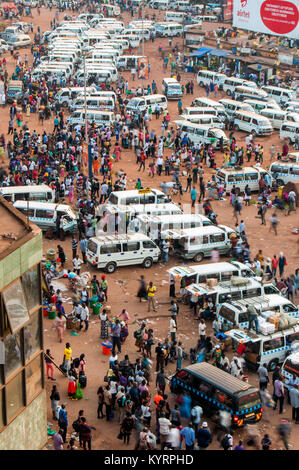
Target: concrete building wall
[
  {"x": 29, "y": 430},
  {"x": 20, "y": 260}
]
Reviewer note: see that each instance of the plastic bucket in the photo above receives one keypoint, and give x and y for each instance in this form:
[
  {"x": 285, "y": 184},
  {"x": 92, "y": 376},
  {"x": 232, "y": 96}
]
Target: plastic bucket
[
  {"x": 45, "y": 312},
  {"x": 96, "y": 308},
  {"x": 107, "y": 346},
  {"x": 52, "y": 314},
  {"x": 51, "y": 254}
]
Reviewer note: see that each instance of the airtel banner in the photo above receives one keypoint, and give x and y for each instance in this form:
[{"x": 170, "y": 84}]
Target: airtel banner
[{"x": 277, "y": 17}]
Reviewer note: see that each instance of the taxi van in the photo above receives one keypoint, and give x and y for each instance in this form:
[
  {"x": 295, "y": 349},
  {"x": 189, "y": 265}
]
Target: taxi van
[
  {"x": 44, "y": 214},
  {"x": 252, "y": 123},
  {"x": 283, "y": 172},
  {"x": 203, "y": 272},
  {"x": 138, "y": 196},
  {"x": 152, "y": 225},
  {"x": 290, "y": 368},
  {"x": 131, "y": 211},
  {"x": 110, "y": 251},
  {"x": 215, "y": 390},
  {"x": 225, "y": 290},
  {"x": 234, "y": 314},
  {"x": 204, "y": 119},
  {"x": 41, "y": 193},
  {"x": 270, "y": 349},
  {"x": 200, "y": 134},
  {"x": 239, "y": 178},
  {"x": 197, "y": 243}
]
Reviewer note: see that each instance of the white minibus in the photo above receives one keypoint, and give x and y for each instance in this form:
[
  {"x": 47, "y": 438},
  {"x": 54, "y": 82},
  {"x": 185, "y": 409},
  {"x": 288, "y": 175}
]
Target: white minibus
[{"x": 40, "y": 193}]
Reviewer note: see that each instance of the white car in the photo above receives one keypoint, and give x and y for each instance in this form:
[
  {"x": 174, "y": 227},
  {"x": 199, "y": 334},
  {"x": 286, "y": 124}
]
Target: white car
[{"x": 22, "y": 40}]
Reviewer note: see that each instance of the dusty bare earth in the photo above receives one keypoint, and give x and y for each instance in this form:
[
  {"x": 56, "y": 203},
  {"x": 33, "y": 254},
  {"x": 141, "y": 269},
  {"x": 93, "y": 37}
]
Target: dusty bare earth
[{"x": 123, "y": 283}]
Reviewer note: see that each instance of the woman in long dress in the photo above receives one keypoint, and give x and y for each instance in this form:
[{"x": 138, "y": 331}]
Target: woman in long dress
[{"x": 104, "y": 324}]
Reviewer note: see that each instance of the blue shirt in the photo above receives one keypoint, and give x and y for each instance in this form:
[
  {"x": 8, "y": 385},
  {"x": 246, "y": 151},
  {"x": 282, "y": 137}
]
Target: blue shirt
[
  {"x": 193, "y": 194},
  {"x": 189, "y": 435}
]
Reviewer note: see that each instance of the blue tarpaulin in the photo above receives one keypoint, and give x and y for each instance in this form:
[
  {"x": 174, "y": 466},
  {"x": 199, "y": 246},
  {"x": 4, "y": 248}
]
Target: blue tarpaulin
[
  {"x": 207, "y": 50},
  {"x": 200, "y": 52}
]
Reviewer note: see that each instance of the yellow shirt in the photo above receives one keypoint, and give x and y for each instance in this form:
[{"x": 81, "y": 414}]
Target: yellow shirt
[
  {"x": 151, "y": 291},
  {"x": 68, "y": 354}
]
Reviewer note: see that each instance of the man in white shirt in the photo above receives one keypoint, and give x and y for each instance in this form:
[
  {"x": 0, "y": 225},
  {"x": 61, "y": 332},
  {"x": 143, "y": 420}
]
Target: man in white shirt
[
  {"x": 172, "y": 328},
  {"x": 174, "y": 438},
  {"x": 196, "y": 413},
  {"x": 84, "y": 316},
  {"x": 164, "y": 427},
  {"x": 77, "y": 263}
]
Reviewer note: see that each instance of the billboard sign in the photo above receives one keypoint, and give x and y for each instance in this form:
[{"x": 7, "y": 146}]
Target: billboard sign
[{"x": 274, "y": 17}]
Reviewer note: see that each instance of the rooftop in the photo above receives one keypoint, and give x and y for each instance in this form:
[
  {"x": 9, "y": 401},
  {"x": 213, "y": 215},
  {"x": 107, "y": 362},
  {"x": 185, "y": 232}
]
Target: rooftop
[{"x": 15, "y": 229}]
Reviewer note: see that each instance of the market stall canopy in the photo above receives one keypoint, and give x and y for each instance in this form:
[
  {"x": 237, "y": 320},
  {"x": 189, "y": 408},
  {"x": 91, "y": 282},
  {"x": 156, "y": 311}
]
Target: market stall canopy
[{"x": 207, "y": 50}]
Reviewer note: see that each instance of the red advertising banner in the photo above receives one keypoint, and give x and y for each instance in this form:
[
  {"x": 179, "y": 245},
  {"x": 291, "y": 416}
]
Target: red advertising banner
[
  {"x": 228, "y": 10},
  {"x": 85, "y": 159},
  {"x": 143, "y": 68}
]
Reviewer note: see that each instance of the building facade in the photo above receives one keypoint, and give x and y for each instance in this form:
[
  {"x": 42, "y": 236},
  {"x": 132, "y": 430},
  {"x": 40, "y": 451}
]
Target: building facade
[{"x": 23, "y": 418}]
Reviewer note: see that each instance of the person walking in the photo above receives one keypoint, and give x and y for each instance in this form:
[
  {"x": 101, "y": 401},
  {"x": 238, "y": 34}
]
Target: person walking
[
  {"x": 279, "y": 394},
  {"x": 74, "y": 246},
  {"x": 85, "y": 433},
  {"x": 188, "y": 434},
  {"x": 116, "y": 330},
  {"x": 263, "y": 375},
  {"x": 60, "y": 325},
  {"x": 58, "y": 440},
  {"x": 63, "y": 421},
  {"x": 55, "y": 398},
  {"x": 49, "y": 365},
  {"x": 204, "y": 436},
  {"x": 282, "y": 262},
  {"x": 151, "y": 290},
  {"x": 67, "y": 357},
  {"x": 193, "y": 194},
  {"x": 84, "y": 316},
  {"x": 108, "y": 402},
  {"x": 76, "y": 264},
  {"x": 196, "y": 413},
  {"x": 83, "y": 248},
  {"x": 127, "y": 427},
  {"x": 294, "y": 399}
]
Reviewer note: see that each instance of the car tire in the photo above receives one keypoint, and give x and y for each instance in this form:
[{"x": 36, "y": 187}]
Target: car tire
[
  {"x": 198, "y": 257},
  {"x": 229, "y": 93},
  {"x": 147, "y": 263},
  {"x": 272, "y": 365},
  {"x": 110, "y": 268}
]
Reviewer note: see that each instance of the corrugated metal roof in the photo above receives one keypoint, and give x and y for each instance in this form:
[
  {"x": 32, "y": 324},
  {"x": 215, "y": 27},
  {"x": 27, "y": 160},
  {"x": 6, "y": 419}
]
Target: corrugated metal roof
[{"x": 219, "y": 378}]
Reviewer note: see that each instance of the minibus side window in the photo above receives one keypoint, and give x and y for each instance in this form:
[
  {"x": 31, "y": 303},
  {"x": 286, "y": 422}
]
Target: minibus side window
[
  {"x": 43, "y": 214},
  {"x": 131, "y": 246},
  {"x": 107, "y": 249},
  {"x": 217, "y": 237},
  {"x": 20, "y": 196},
  {"x": 243, "y": 317},
  {"x": 292, "y": 337},
  {"x": 273, "y": 344},
  {"x": 223, "y": 398},
  {"x": 226, "y": 276}
]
